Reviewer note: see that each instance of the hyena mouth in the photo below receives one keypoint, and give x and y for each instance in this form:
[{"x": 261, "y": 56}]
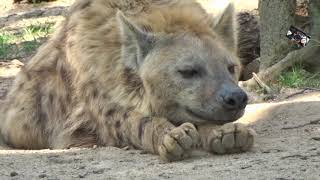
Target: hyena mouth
[
  {"x": 201, "y": 117},
  {"x": 197, "y": 115}
]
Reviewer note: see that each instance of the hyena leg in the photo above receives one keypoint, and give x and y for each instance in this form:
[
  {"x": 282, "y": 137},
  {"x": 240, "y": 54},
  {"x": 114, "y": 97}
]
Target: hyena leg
[
  {"x": 22, "y": 124},
  {"x": 79, "y": 130},
  {"x": 159, "y": 136},
  {"x": 228, "y": 138},
  {"x": 21, "y": 130}
]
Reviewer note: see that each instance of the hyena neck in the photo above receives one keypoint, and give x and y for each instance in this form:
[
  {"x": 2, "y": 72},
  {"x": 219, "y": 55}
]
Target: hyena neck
[
  {"x": 125, "y": 90},
  {"x": 130, "y": 92}
]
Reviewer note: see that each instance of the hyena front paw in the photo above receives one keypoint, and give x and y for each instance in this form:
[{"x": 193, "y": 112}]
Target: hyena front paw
[
  {"x": 230, "y": 138},
  {"x": 178, "y": 143}
]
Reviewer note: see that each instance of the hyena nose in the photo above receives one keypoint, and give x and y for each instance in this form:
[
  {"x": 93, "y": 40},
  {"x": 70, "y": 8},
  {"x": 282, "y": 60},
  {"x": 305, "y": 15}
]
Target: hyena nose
[{"x": 234, "y": 99}]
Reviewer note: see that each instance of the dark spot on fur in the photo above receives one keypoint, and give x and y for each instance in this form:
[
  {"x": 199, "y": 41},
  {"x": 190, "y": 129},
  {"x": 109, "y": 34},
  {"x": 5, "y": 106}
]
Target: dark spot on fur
[
  {"x": 21, "y": 85},
  {"x": 28, "y": 76},
  {"x": 125, "y": 116},
  {"x": 105, "y": 96},
  {"x": 110, "y": 112},
  {"x": 142, "y": 125},
  {"x": 120, "y": 138},
  {"x": 85, "y": 5},
  {"x": 131, "y": 144},
  {"x": 118, "y": 124},
  {"x": 70, "y": 44},
  {"x": 95, "y": 93},
  {"x": 65, "y": 74},
  {"x": 7, "y": 139},
  {"x": 63, "y": 109},
  {"x": 80, "y": 6},
  {"x": 26, "y": 127},
  {"x": 131, "y": 80},
  {"x": 50, "y": 98},
  {"x": 152, "y": 89},
  {"x": 79, "y": 132},
  {"x": 42, "y": 117},
  {"x": 100, "y": 110}
]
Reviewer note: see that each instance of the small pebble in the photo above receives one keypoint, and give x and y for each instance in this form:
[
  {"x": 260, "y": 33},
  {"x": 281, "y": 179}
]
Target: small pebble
[
  {"x": 42, "y": 175},
  {"x": 82, "y": 167},
  {"x": 98, "y": 171},
  {"x": 313, "y": 149},
  {"x": 82, "y": 175},
  {"x": 316, "y": 138},
  {"x": 143, "y": 152},
  {"x": 265, "y": 151},
  {"x": 246, "y": 167},
  {"x": 13, "y": 173}
]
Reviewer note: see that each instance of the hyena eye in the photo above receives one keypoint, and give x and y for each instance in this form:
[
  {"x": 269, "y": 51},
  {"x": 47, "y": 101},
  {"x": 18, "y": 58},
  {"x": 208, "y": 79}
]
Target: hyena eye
[
  {"x": 231, "y": 69},
  {"x": 189, "y": 73}
]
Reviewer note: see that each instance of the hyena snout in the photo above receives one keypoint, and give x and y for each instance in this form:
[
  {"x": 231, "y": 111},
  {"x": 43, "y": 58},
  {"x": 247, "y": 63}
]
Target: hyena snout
[{"x": 232, "y": 97}]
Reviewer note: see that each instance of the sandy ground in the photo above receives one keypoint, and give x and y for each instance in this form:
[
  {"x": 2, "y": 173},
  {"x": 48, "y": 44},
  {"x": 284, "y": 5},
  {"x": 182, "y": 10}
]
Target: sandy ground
[{"x": 287, "y": 146}]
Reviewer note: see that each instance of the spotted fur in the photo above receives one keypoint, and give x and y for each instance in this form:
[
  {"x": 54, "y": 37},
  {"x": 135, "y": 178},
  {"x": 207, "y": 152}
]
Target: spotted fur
[{"x": 91, "y": 85}]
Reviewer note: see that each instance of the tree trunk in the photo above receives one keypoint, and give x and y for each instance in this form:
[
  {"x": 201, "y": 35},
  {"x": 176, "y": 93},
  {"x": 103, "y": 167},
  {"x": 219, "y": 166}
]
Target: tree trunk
[
  {"x": 308, "y": 54},
  {"x": 314, "y": 62},
  {"x": 276, "y": 16}
]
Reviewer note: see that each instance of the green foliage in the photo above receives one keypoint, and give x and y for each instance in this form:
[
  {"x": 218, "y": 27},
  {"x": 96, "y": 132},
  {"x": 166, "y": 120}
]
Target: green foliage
[
  {"x": 36, "y": 31},
  {"x": 298, "y": 77},
  {"x": 5, "y": 40},
  {"x": 30, "y": 46},
  {"x": 24, "y": 41}
]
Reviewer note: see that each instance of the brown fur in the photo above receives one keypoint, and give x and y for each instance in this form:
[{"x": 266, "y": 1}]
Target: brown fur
[
  {"x": 82, "y": 88},
  {"x": 32, "y": 1}
]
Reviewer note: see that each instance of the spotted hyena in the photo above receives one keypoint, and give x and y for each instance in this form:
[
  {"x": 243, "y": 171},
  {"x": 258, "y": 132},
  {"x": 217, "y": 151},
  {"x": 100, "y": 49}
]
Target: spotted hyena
[{"x": 157, "y": 75}]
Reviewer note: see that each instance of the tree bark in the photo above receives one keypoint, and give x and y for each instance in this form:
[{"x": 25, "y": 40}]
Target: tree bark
[
  {"x": 310, "y": 53},
  {"x": 276, "y": 16},
  {"x": 314, "y": 62}
]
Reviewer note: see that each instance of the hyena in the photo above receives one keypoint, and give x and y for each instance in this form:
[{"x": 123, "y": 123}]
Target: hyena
[{"x": 156, "y": 75}]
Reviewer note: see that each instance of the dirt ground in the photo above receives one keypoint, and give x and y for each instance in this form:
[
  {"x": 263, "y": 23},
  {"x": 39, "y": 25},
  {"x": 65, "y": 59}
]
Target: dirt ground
[{"x": 287, "y": 144}]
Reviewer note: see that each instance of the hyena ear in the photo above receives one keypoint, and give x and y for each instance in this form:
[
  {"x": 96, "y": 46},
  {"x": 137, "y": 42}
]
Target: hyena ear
[
  {"x": 225, "y": 26},
  {"x": 135, "y": 42}
]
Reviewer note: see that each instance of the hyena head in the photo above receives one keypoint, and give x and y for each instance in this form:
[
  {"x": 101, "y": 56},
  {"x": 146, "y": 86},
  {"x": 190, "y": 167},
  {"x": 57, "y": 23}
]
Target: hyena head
[{"x": 187, "y": 77}]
